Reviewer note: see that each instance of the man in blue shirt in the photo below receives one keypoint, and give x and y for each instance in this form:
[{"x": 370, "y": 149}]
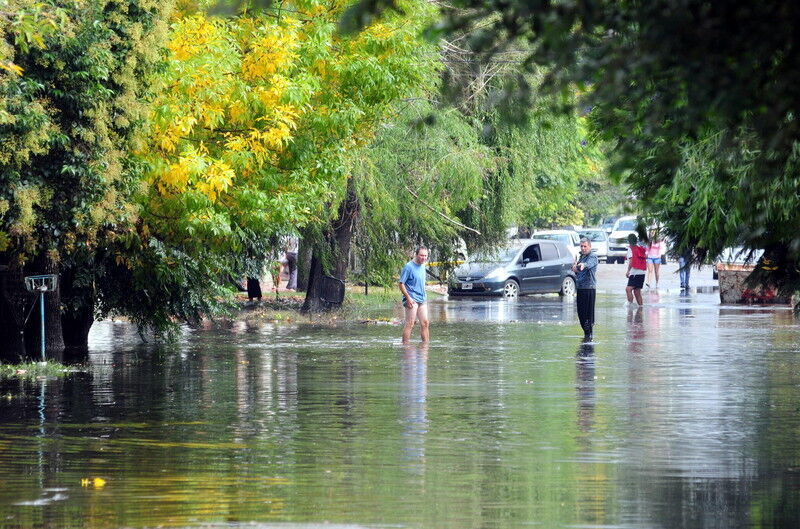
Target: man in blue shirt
[
  {"x": 585, "y": 268},
  {"x": 412, "y": 285}
]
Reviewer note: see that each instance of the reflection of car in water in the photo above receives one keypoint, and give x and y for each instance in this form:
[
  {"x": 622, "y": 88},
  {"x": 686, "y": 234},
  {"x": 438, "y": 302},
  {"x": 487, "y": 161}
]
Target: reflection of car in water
[
  {"x": 599, "y": 240},
  {"x": 529, "y": 266}
]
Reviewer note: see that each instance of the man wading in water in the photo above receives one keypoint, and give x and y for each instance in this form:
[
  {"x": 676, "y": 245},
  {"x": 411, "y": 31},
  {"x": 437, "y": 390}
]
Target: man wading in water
[
  {"x": 412, "y": 285},
  {"x": 585, "y": 268}
]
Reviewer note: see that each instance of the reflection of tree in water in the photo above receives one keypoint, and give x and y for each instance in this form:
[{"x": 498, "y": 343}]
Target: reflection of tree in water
[{"x": 706, "y": 448}]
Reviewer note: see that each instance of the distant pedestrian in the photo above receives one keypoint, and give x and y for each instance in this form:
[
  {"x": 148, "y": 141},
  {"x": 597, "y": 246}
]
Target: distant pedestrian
[
  {"x": 585, "y": 269},
  {"x": 685, "y": 267},
  {"x": 289, "y": 265},
  {"x": 637, "y": 263},
  {"x": 412, "y": 285},
  {"x": 654, "y": 251},
  {"x": 253, "y": 289}
]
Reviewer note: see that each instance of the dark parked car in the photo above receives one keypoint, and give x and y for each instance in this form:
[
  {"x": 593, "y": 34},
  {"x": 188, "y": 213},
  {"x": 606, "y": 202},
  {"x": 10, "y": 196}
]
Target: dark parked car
[{"x": 530, "y": 266}]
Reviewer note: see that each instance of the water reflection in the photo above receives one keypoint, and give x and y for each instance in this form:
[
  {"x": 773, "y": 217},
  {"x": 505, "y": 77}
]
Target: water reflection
[
  {"x": 585, "y": 385},
  {"x": 683, "y": 415},
  {"x": 413, "y": 400},
  {"x": 527, "y": 308}
]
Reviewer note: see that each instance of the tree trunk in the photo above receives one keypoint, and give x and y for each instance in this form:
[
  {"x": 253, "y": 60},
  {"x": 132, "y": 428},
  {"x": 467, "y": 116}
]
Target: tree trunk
[
  {"x": 313, "y": 301},
  {"x": 76, "y": 325},
  {"x": 304, "y": 252},
  {"x": 340, "y": 240},
  {"x": 78, "y": 314},
  {"x": 14, "y": 302},
  {"x": 344, "y": 227}
]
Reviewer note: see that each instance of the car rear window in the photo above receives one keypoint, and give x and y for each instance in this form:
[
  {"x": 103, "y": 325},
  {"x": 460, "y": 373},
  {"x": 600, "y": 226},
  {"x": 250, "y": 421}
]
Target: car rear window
[
  {"x": 594, "y": 235},
  {"x": 626, "y": 225},
  {"x": 549, "y": 252},
  {"x": 563, "y": 237}
]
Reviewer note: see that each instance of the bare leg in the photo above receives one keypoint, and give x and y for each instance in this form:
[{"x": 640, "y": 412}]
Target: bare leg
[
  {"x": 411, "y": 315},
  {"x": 424, "y": 324},
  {"x": 638, "y": 293},
  {"x": 656, "y": 268},
  {"x": 649, "y": 272},
  {"x": 629, "y": 294}
]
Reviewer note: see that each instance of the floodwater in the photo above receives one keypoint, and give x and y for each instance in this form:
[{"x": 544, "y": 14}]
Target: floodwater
[{"x": 683, "y": 414}]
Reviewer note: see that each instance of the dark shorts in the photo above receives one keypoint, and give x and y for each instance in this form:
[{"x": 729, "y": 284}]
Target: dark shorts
[{"x": 636, "y": 281}]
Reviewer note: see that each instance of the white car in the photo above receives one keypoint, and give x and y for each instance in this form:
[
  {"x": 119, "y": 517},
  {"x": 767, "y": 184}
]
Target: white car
[
  {"x": 618, "y": 240},
  {"x": 569, "y": 237},
  {"x": 599, "y": 240}
]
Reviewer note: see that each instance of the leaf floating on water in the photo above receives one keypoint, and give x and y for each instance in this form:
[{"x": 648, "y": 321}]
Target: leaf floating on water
[{"x": 98, "y": 483}]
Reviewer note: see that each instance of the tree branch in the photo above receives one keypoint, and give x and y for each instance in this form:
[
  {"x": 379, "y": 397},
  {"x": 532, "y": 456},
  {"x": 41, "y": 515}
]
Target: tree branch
[{"x": 445, "y": 217}]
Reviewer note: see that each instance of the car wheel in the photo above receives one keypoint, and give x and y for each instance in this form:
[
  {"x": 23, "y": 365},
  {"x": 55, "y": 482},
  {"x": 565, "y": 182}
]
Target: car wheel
[
  {"x": 511, "y": 289},
  {"x": 567, "y": 287}
]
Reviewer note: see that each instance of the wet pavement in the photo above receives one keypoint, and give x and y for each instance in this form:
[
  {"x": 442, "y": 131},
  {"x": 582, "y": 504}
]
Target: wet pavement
[{"x": 681, "y": 414}]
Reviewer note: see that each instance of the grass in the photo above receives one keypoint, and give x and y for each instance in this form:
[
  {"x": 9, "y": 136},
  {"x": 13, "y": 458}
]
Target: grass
[
  {"x": 357, "y": 307},
  {"x": 33, "y": 370}
]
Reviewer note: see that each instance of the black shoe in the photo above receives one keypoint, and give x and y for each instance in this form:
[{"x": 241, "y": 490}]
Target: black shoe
[{"x": 587, "y": 337}]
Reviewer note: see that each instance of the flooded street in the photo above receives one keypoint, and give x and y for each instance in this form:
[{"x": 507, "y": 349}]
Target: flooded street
[{"x": 681, "y": 414}]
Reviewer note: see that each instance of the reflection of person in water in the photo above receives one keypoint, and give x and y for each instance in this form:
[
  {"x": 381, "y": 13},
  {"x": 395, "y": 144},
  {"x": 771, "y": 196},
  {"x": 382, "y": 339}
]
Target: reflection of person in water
[
  {"x": 585, "y": 281},
  {"x": 413, "y": 401},
  {"x": 584, "y": 383}
]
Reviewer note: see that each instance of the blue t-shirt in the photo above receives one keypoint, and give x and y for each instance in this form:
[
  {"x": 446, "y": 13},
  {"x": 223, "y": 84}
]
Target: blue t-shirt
[{"x": 413, "y": 277}]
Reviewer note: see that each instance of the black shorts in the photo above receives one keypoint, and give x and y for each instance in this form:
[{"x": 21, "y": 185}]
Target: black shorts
[{"x": 636, "y": 281}]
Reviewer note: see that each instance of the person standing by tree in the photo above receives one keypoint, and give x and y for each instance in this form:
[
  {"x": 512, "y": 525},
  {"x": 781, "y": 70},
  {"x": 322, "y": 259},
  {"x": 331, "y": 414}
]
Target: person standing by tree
[
  {"x": 412, "y": 285},
  {"x": 585, "y": 269}
]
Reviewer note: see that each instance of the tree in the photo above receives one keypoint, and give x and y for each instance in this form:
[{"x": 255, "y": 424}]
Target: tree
[
  {"x": 251, "y": 136},
  {"x": 666, "y": 78},
  {"x": 436, "y": 174},
  {"x": 71, "y": 104}
]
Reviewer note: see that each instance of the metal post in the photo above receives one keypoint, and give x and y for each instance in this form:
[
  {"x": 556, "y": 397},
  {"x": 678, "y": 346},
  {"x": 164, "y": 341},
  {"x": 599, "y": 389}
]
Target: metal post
[{"x": 41, "y": 311}]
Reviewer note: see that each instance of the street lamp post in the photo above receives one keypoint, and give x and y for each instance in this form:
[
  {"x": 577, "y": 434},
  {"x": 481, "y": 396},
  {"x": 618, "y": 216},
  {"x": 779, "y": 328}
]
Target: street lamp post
[{"x": 41, "y": 284}]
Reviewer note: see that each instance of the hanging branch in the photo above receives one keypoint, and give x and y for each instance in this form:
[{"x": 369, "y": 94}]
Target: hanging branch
[{"x": 445, "y": 217}]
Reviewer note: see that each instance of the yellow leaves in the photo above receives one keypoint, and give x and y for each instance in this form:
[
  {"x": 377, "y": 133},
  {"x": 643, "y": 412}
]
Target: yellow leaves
[
  {"x": 270, "y": 96},
  {"x": 378, "y": 31},
  {"x": 236, "y": 110},
  {"x": 98, "y": 483},
  {"x": 176, "y": 178},
  {"x": 181, "y": 126},
  {"x": 270, "y": 53},
  {"x": 11, "y": 67},
  {"x": 193, "y": 36},
  {"x": 196, "y": 170},
  {"x": 217, "y": 179}
]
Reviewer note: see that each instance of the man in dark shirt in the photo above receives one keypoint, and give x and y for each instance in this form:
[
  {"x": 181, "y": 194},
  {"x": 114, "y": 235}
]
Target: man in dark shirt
[{"x": 585, "y": 269}]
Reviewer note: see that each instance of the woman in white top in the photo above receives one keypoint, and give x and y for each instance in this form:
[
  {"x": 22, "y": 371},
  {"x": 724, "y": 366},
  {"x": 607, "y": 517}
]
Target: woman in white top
[{"x": 654, "y": 251}]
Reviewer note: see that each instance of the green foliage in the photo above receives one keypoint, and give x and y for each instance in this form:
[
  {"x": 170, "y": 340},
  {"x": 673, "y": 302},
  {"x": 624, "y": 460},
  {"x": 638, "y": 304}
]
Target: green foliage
[
  {"x": 413, "y": 180},
  {"x": 34, "y": 370},
  {"x": 698, "y": 99},
  {"x": 72, "y": 114}
]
